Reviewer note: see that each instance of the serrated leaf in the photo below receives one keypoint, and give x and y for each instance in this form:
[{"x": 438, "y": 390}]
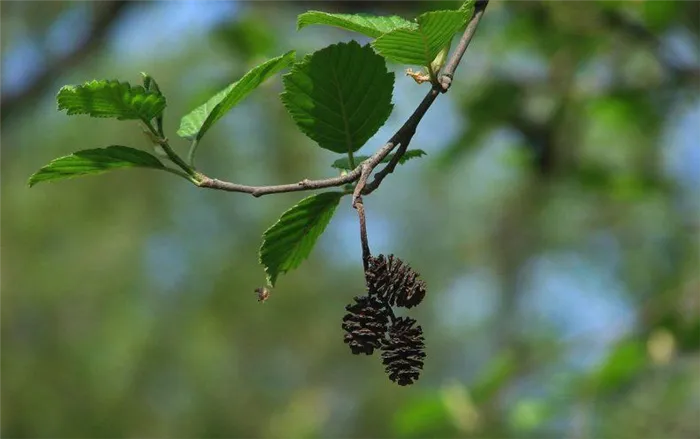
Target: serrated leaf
[
  {"x": 95, "y": 161},
  {"x": 420, "y": 46},
  {"x": 344, "y": 163},
  {"x": 468, "y": 6},
  {"x": 110, "y": 98},
  {"x": 339, "y": 96},
  {"x": 151, "y": 85},
  {"x": 290, "y": 240},
  {"x": 370, "y": 25},
  {"x": 195, "y": 124}
]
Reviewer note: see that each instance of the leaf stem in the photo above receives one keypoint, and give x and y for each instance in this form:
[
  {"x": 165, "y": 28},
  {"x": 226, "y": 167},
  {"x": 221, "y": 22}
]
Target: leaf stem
[
  {"x": 172, "y": 155},
  {"x": 183, "y": 174},
  {"x": 192, "y": 151},
  {"x": 351, "y": 159},
  {"x": 432, "y": 75}
]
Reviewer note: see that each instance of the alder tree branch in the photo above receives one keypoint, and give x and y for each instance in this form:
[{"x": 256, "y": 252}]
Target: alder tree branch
[
  {"x": 361, "y": 173},
  {"x": 456, "y": 58},
  {"x": 106, "y": 15},
  {"x": 304, "y": 185}
]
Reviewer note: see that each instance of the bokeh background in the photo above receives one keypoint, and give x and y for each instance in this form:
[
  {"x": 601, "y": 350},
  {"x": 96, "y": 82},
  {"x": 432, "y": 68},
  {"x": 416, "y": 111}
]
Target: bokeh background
[{"x": 555, "y": 220}]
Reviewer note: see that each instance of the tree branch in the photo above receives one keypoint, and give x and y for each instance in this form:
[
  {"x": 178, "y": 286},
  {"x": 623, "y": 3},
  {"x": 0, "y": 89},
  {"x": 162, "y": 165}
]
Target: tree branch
[
  {"x": 304, "y": 185},
  {"x": 360, "y": 207},
  {"x": 106, "y": 14},
  {"x": 445, "y": 82},
  {"x": 453, "y": 63},
  {"x": 362, "y": 172}
]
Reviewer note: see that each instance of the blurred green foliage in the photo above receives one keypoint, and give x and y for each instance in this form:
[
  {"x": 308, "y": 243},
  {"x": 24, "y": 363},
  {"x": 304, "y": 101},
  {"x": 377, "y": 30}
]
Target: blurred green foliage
[{"x": 554, "y": 218}]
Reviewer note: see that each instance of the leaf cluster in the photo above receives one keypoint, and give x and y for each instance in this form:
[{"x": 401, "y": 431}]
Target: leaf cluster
[{"x": 338, "y": 96}]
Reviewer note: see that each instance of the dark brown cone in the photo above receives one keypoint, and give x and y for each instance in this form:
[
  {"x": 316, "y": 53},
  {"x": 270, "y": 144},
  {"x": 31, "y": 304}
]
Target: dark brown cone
[
  {"x": 394, "y": 282},
  {"x": 403, "y": 352},
  {"x": 365, "y": 324}
]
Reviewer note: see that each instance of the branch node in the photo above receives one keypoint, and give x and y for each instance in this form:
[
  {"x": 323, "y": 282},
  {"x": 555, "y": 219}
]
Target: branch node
[
  {"x": 361, "y": 183},
  {"x": 446, "y": 82}
]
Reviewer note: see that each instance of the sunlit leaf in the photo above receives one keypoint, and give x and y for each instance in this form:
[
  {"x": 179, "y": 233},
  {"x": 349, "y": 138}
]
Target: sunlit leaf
[
  {"x": 198, "y": 121},
  {"x": 370, "y": 25},
  {"x": 421, "y": 45},
  {"x": 109, "y": 98},
  {"x": 290, "y": 240},
  {"x": 339, "y": 96},
  {"x": 95, "y": 161},
  {"x": 344, "y": 163}
]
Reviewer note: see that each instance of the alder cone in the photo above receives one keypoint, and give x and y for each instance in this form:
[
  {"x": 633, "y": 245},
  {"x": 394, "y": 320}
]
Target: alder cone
[
  {"x": 403, "y": 351},
  {"x": 393, "y": 281},
  {"x": 365, "y": 324}
]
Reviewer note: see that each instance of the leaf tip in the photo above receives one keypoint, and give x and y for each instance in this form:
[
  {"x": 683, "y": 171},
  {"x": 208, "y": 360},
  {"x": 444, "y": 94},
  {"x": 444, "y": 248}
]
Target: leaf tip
[
  {"x": 300, "y": 21},
  {"x": 35, "y": 178},
  {"x": 271, "y": 279}
]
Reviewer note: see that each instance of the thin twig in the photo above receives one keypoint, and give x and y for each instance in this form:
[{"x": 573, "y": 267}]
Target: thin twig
[
  {"x": 362, "y": 172},
  {"x": 358, "y": 204},
  {"x": 304, "y": 185},
  {"x": 172, "y": 155},
  {"x": 388, "y": 169},
  {"x": 453, "y": 63},
  {"x": 359, "y": 187},
  {"x": 360, "y": 207}
]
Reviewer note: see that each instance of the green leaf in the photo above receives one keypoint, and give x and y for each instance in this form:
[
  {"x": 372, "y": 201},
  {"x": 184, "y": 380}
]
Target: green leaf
[
  {"x": 339, "y": 96},
  {"x": 344, "y": 163},
  {"x": 195, "y": 124},
  {"x": 420, "y": 46},
  {"x": 369, "y": 25},
  {"x": 151, "y": 85},
  {"x": 109, "y": 98},
  {"x": 622, "y": 365},
  {"x": 468, "y": 6},
  {"x": 290, "y": 240},
  {"x": 95, "y": 161}
]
